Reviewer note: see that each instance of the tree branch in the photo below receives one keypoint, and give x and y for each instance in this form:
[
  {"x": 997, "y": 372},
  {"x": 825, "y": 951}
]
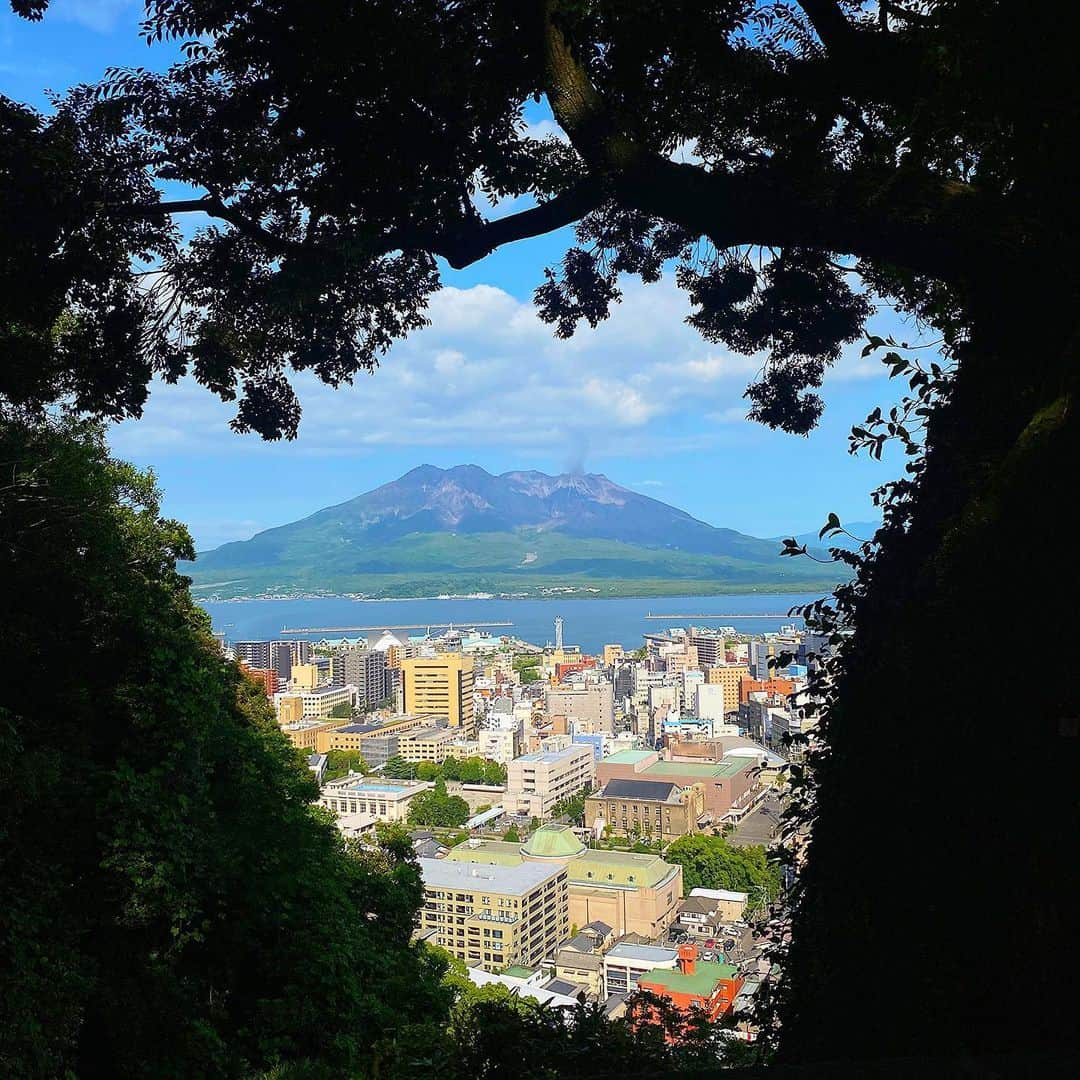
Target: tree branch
[
  {"x": 470, "y": 243},
  {"x": 829, "y": 22}
]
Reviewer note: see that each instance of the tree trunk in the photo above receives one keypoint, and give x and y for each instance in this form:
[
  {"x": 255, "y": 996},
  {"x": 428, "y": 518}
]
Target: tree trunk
[{"x": 940, "y": 891}]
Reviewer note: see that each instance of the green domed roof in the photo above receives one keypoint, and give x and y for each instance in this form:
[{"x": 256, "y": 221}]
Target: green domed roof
[{"x": 553, "y": 842}]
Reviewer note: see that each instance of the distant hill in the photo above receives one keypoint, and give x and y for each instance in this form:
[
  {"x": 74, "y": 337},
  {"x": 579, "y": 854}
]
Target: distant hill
[{"x": 464, "y": 530}]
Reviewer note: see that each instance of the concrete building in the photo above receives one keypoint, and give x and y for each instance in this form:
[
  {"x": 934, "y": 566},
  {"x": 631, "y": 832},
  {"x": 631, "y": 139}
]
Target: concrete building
[
  {"x": 727, "y": 676},
  {"x": 648, "y": 808},
  {"x": 695, "y": 985},
  {"x": 364, "y": 668},
  {"x": 427, "y": 744},
  {"x": 612, "y": 654},
  {"x": 536, "y": 782},
  {"x": 708, "y": 645},
  {"x": 304, "y": 734},
  {"x": 383, "y": 800},
  {"x": 625, "y": 963},
  {"x": 724, "y": 782},
  {"x": 305, "y": 676},
  {"x": 442, "y": 686},
  {"x": 592, "y": 703},
  {"x": 317, "y": 703},
  {"x": 495, "y": 916},
  {"x": 630, "y": 893},
  {"x": 501, "y": 744},
  {"x": 710, "y": 702},
  {"x": 730, "y": 904}
]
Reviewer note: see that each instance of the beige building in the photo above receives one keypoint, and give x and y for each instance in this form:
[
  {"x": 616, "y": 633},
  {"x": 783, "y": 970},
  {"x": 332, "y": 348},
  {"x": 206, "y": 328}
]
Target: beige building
[
  {"x": 727, "y": 676},
  {"x": 443, "y": 686},
  {"x": 632, "y": 893},
  {"x": 536, "y": 782},
  {"x": 496, "y": 916},
  {"x": 501, "y": 745},
  {"x": 427, "y": 744},
  {"x": 383, "y": 800},
  {"x": 304, "y": 734},
  {"x": 593, "y": 704},
  {"x": 613, "y": 653},
  {"x": 647, "y": 808},
  {"x": 318, "y": 703},
  {"x": 305, "y": 676}
]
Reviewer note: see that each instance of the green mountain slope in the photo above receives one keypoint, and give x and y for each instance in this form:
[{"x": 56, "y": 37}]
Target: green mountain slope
[{"x": 463, "y": 530}]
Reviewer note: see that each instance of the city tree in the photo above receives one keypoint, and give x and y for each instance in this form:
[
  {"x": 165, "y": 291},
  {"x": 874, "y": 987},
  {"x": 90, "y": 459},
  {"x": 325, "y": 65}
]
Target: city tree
[{"x": 792, "y": 164}]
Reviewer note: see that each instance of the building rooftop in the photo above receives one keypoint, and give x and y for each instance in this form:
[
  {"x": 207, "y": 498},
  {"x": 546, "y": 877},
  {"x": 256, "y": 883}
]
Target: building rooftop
[
  {"x": 701, "y": 983},
  {"x": 357, "y": 729},
  {"x": 607, "y": 869},
  {"x": 515, "y": 880},
  {"x": 628, "y": 757},
  {"x": 549, "y": 757},
  {"x": 650, "y": 790},
  {"x": 711, "y": 769},
  {"x": 492, "y": 852},
  {"x": 553, "y": 842},
  {"x": 649, "y": 954}
]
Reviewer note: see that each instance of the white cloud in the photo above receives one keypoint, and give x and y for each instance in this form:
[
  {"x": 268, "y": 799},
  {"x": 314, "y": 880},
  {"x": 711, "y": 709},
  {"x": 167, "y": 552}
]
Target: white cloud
[
  {"x": 648, "y": 483},
  {"x": 489, "y": 373}
]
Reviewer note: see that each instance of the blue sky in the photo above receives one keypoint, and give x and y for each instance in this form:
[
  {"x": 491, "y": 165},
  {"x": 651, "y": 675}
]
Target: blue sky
[{"x": 642, "y": 399}]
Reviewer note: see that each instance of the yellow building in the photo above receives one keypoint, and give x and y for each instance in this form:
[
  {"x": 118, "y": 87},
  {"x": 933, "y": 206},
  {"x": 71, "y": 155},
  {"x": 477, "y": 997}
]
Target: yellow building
[
  {"x": 632, "y": 893},
  {"x": 613, "y": 653},
  {"x": 442, "y": 686},
  {"x": 304, "y": 734},
  {"x": 728, "y": 676},
  {"x": 290, "y": 709},
  {"x": 495, "y": 916},
  {"x": 305, "y": 676}
]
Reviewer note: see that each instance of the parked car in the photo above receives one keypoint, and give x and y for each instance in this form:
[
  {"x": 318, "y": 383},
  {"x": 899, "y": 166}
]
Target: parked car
[
  {"x": 708, "y": 957},
  {"x": 729, "y": 945}
]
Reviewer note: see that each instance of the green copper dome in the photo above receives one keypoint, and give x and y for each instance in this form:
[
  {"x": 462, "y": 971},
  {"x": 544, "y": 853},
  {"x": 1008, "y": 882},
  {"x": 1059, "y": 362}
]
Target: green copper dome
[{"x": 553, "y": 842}]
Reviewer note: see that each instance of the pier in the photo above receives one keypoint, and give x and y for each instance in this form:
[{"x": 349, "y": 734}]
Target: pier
[{"x": 384, "y": 626}]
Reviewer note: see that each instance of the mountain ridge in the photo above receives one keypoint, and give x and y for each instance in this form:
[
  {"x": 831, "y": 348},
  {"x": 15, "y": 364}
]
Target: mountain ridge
[{"x": 463, "y": 525}]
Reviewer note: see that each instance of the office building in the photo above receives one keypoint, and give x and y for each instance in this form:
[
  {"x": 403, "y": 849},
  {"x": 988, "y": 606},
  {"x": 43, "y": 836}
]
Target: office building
[
  {"x": 536, "y": 782},
  {"x": 427, "y": 744},
  {"x": 592, "y": 703},
  {"x": 629, "y": 892},
  {"x": 495, "y": 916},
  {"x": 441, "y": 686}
]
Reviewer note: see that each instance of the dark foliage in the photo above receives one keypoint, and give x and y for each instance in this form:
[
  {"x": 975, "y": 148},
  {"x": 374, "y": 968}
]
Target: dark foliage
[
  {"x": 171, "y": 903},
  {"x": 928, "y": 147}
]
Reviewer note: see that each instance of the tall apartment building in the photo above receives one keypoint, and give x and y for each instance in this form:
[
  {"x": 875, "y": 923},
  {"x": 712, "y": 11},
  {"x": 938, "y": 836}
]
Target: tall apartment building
[
  {"x": 255, "y": 654},
  {"x": 442, "y": 686},
  {"x": 496, "y": 916},
  {"x": 363, "y": 668},
  {"x": 536, "y": 782},
  {"x": 709, "y": 646},
  {"x": 728, "y": 676},
  {"x": 593, "y": 703},
  {"x": 279, "y": 656}
]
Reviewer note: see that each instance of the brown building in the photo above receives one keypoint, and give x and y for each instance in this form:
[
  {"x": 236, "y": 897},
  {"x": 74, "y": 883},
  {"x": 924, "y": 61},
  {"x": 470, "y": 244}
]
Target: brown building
[
  {"x": 647, "y": 808},
  {"x": 724, "y": 782}
]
